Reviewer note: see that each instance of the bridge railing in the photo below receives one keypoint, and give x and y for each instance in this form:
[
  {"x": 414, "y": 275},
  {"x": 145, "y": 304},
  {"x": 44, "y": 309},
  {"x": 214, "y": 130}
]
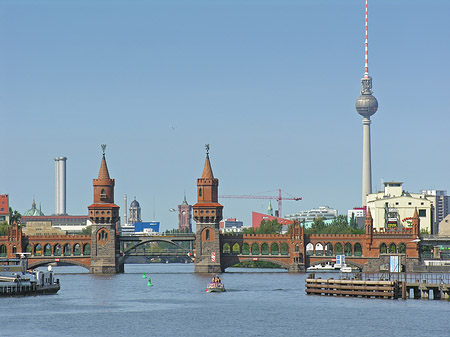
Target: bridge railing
[
  {"x": 165, "y": 235},
  {"x": 159, "y": 252}
]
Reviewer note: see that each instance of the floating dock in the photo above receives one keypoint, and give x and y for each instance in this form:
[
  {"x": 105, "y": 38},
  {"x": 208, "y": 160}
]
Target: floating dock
[
  {"x": 353, "y": 288},
  {"x": 393, "y": 286}
]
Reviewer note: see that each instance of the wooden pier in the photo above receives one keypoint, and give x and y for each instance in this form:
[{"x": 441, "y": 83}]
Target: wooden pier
[
  {"x": 353, "y": 288},
  {"x": 391, "y": 286}
]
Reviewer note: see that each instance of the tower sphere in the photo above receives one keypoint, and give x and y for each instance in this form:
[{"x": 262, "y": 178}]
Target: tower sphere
[{"x": 366, "y": 105}]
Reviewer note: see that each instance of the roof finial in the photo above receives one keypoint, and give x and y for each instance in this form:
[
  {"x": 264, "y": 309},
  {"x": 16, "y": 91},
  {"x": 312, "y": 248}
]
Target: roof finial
[
  {"x": 103, "y": 148},
  {"x": 207, "y": 148}
]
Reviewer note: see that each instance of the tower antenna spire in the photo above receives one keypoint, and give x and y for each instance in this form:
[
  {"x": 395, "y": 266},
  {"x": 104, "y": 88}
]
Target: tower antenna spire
[{"x": 366, "y": 51}]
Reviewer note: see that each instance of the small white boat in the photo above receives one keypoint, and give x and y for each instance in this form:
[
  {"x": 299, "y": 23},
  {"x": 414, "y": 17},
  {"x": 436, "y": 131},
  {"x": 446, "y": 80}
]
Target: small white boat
[
  {"x": 215, "y": 287},
  {"x": 346, "y": 269},
  {"x": 326, "y": 267}
]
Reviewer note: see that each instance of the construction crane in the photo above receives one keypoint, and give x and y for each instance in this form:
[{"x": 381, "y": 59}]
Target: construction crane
[{"x": 278, "y": 198}]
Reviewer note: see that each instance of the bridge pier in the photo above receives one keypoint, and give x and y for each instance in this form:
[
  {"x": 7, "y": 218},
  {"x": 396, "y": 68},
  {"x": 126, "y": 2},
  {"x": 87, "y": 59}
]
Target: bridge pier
[{"x": 297, "y": 268}]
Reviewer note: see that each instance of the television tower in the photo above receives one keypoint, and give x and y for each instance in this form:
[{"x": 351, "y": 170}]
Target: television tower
[{"x": 366, "y": 105}]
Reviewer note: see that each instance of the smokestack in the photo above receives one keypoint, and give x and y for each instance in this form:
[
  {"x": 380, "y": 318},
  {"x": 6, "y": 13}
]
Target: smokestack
[
  {"x": 125, "y": 209},
  {"x": 60, "y": 185}
]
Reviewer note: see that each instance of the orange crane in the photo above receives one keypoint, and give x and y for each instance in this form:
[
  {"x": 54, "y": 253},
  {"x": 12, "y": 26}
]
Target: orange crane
[{"x": 278, "y": 198}]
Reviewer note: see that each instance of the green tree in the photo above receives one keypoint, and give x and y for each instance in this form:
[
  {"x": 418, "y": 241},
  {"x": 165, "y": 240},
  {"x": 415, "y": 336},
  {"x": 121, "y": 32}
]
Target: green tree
[
  {"x": 4, "y": 228},
  {"x": 87, "y": 230},
  {"x": 14, "y": 216},
  {"x": 339, "y": 225},
  {"x": 266, "y": 227},
  {"x": 269, "y": 227}
]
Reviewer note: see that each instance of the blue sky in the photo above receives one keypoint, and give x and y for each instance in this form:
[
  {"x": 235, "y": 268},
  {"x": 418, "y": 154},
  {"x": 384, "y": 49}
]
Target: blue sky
[{"x": 270, "y": 85}]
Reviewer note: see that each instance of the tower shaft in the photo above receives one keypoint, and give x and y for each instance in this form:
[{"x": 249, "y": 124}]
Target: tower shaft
[{"x": 367, "y": 166}]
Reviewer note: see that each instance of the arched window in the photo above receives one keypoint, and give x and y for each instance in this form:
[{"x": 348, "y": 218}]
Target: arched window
[
  {"x": 14, "y": 249},
  {"x": 383, "y": 248},
  {"x": 199, "y": 192},
  {"x": 207, "y": 234},
  {"x": 3, "y": 251},
  {"x": 255, "y": 249},
  {"x": 392, "y": 248},
  {"x": 297, "y": 248},
  {"x": 103, "y": 194},
  {"x": 57, "y": 250},
  {"x": 274, "y": 249},
  {"x": 284, "y": 249},
  {"x": 348, "y": 249},
  {"x": 77, "y": 249},
  {"x": 328, "y": 249},
  {"x": 319, "y": 249},
  {"x": 87, "y": 249},
  {"x": 310, "y": 249},
  {"x": 264, "y": 249},
  {"x": 245, "y": 249},
  {"x": 236, "y": 249},
  {"x": 38, "y": 250},
  {"x": 402, "y": 248},
  {"x": 67, "y": 250},
  {"x": 47, "y": 250},
  {"x": 226, "y": 248},
  {"x": 338, "y": 249},
  {"x": 358, "y": 249}
]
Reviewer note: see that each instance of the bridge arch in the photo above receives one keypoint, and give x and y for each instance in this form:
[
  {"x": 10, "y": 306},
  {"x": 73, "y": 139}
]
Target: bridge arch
[
  {"x": 42, "y": 262},
  {"x": 152, "y": 239}
]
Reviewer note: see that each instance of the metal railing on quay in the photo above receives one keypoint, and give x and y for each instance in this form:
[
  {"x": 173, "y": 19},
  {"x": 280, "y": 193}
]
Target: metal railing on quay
[{"x": 434, "y": 278}]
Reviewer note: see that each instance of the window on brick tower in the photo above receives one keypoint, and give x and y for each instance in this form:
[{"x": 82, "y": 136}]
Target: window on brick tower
[
  {"x": 103, "y": 194},
  {"x": 200, "y": 192}
]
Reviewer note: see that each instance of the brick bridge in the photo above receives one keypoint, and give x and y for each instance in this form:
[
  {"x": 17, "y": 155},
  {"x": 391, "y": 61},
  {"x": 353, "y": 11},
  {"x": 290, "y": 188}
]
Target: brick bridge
[
  {"x": 76, "y": 249},
  {"x": 103, "y": 253},
  {"x": 296, "y": 251}
]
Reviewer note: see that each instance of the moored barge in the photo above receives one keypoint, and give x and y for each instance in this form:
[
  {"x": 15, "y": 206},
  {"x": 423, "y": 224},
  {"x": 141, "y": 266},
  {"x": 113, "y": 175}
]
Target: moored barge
[{"x": 15, "y": 280}]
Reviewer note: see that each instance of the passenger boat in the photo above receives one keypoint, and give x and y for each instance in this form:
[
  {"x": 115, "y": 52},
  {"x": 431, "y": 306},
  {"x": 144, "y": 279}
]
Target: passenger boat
[
  {"x": 15, "y": 280},
  {"x": 325, "y": 267},
  {"x": 215, "y": 287}
]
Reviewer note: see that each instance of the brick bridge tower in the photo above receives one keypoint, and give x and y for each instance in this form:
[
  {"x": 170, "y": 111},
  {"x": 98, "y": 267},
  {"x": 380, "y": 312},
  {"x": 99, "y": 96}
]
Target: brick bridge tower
[
  {"x": 104, "y": 215},
  {"x": 207, "y": 214}
]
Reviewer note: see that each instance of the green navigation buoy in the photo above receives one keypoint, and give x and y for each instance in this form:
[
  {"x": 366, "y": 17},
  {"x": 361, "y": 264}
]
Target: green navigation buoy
[
  {"x": 149, "y": 283},
  {"x": 144, "y": 276}
]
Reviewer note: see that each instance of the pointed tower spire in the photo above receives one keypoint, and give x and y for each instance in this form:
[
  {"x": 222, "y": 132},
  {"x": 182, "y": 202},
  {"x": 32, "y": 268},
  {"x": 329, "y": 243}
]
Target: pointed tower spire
[
  {"x": 103, "y": 185},
  {"x": 207, "y": 170},
  {"x": 103, "y": 173},
  {"x": 270, "y": 209},
  {"x": 184, "y": 201}
]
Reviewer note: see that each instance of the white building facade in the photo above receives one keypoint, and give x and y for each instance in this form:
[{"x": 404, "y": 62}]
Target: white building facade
[
  {"x": 323, "y": 212},
  {"x": 393, "y": 208}
]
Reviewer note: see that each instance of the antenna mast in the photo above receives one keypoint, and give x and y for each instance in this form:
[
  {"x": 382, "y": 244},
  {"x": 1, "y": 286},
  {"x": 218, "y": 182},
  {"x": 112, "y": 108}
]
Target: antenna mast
[{"x": 366, "y": 57}]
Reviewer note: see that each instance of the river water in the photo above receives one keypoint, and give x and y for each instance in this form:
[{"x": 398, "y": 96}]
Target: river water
[{"x": 258, "y": 302}]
